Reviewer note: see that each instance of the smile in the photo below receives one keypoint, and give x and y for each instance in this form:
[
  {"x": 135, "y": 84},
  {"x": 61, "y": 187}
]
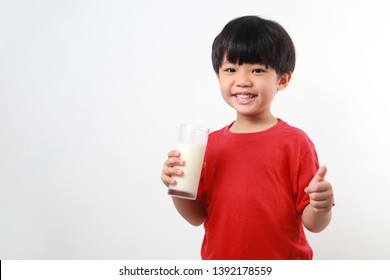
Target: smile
[{"x": 244, "y": 98}]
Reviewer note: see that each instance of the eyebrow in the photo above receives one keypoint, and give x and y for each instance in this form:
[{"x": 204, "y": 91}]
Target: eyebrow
[{"x": 233, "y": 63}]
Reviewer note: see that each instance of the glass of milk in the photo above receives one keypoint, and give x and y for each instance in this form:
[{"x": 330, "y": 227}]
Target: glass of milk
[{"x": 192, "y": 145}]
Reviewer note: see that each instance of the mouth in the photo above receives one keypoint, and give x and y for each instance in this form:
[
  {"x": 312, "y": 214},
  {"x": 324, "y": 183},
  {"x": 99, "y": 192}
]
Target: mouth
[{"x": 244, "y": 98}]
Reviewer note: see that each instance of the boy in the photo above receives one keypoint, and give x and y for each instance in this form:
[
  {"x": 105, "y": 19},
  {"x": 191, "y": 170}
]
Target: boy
[{"x": 261, "y": 182}]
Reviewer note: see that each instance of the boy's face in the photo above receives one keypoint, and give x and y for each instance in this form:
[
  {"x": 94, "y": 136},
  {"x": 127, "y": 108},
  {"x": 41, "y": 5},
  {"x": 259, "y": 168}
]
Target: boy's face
[{"x": 250, "y": 88}]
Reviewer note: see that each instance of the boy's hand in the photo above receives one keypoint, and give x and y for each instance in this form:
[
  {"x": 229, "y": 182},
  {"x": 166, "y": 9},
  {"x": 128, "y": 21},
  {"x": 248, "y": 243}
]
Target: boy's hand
[
  {"x": 320, "y": 192},
  {"x": 170, "y": 169}
]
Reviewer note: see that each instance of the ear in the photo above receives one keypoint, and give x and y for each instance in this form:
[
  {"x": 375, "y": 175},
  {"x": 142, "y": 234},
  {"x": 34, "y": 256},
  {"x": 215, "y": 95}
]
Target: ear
[{"x": 284, "y": 80}]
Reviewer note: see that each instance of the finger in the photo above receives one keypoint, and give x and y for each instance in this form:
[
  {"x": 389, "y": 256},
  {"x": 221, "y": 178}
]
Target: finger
[
  {"x": 168, "y": 175},
  {"x": 172, "y": 171},
  {"x": 322, "y": 204},
  {"x": 174, "y": 161},
  {"x": 318, "y": 187},
  {"x": 167, "y": 180},
  {"x": 173, "y": 153},
  {"x": 319, "y": 204},
  {"x": 320, "y": 175},
  {"x": 321, "y": 196},
  {"x": 321, "y": 208}
]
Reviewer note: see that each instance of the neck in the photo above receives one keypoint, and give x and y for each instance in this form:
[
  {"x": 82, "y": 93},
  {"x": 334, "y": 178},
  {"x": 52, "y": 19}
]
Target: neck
[{"x": 245, "y": 124}]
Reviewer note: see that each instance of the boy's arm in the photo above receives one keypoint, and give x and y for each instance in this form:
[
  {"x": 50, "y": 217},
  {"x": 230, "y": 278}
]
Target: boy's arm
[
  {"x": 190, "y": 210},
  {"x": 318, "y": 213}
]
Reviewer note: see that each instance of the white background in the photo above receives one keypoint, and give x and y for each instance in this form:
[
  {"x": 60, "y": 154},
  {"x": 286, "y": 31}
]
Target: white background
[{"x": 92, "y": 94}]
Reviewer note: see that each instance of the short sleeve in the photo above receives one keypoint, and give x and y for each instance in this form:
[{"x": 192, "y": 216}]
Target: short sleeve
[{"x": 308, "y": 166}]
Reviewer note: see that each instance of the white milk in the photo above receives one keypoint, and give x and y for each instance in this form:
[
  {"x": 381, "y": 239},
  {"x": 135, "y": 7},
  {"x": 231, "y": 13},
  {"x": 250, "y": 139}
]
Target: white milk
[{"x": 187, "y": 184}]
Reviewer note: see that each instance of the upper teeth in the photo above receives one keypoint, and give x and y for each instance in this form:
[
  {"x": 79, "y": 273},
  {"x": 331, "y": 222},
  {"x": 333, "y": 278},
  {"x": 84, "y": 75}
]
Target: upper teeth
[{"x": 244, "y": 96}]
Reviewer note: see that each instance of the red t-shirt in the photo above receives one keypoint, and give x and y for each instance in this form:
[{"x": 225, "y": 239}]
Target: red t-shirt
[{"x": 253, "y": 191}]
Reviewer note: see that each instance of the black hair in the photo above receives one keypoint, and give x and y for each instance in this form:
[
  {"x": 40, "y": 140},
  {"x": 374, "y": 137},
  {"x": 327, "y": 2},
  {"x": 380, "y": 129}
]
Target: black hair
[{"x": 254, "y": 40}]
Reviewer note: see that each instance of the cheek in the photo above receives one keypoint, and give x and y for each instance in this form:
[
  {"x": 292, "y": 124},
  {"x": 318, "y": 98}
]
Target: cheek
[
  {"x": 224, "y": 89},
  {"x": 269, "y": 89},
  {"x": 225, "y": 92}
]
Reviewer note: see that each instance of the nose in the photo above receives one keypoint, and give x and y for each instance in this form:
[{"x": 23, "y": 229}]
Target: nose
[{"x": 243, "y": 80}]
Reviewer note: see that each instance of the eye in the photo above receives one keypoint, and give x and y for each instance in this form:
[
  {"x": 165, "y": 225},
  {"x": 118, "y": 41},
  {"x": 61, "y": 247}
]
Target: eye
[
  {"x": 230, "y": 70},
  {"x": 258, "y": 71}
]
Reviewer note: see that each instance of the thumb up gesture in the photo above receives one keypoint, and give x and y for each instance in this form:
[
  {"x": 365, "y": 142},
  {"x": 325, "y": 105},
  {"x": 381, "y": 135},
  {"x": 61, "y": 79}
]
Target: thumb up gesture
[{"x": 320, "y": 192}]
